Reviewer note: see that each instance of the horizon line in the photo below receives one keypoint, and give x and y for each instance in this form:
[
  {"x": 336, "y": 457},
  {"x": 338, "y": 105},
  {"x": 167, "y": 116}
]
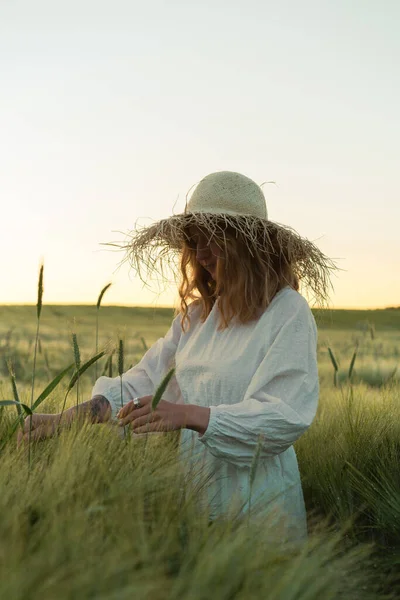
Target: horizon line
[{"x": 170, "y": 306}]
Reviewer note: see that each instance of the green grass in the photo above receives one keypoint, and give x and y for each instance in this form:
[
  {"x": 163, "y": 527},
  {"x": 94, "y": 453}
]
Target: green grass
[
  {"x": 387, "y": 319},
  {"x": 17, "y": 331},
  {"x": 101, "y": 518}
]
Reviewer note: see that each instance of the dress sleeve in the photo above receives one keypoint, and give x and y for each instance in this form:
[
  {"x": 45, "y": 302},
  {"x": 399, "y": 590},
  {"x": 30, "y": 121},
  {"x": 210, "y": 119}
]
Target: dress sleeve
[
  {"x": 280, "y": 402},
  {"x": 144, "y": 378}
]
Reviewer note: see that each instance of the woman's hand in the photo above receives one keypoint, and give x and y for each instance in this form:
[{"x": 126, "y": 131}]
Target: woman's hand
[
  {"x": 166, "y": 417},
  {"x": 43, "y": 426}
]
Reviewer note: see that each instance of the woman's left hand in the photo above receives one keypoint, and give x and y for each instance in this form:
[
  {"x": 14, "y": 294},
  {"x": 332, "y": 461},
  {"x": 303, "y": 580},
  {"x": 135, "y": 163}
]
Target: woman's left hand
[{"x": 167, "y": 416}]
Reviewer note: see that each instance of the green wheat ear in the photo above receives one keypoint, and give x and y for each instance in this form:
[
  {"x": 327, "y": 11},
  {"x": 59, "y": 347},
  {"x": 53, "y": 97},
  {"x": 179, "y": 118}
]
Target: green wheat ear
[
  {"x": 103, "y": 291},
  {"x": 335, "y": 366},
  {"x": 77, "y": 354},
  {"x": 333, "y": 360},
  {"x": 353, "y": 360},
  {"x": 40, "y": 292},
  {"x": 161, "y": 389},
  {"x": 121, "y": 357}
]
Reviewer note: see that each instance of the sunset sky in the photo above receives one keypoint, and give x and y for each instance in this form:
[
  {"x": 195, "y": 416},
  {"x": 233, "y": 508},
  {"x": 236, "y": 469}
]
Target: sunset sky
[{"x": 111, "y": 111}]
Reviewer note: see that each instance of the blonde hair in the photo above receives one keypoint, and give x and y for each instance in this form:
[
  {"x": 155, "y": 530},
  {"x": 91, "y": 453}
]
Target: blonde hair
[
  {"x": 260, "y": 257},
  {"x": 246, "y": 280}
]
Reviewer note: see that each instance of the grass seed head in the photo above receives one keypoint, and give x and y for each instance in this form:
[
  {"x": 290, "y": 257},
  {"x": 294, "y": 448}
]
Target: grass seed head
[
  {"x": 77, "y": 354},
  {"x": 40, "y": 292},
  {"x": 121, "y": 357},
  {"x": 103, "y": 291}
]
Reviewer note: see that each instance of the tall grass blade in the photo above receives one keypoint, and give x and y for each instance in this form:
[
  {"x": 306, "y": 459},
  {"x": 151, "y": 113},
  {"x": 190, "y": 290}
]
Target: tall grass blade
[
  {"x": 120, "y": 372},
  {"x": 75, "y": 377},
  {"x": 333, "y": 359},
  {"x": 83, "y": 368},
  {"x": 145, "y": 346},
  {"x": 110, "y": 364},
  {"x": 14, "y": 402},
  {"x": 52, "y": 385},
  {"x": 335, "y": 366},
  {"x": 38, "y": 310},
  {"x": 15, "y": 393},
  {"x": 381, "y": 492},
  {"x": 77, "y": 358},
  {"x": 105, "y": 369},
  {"x": 161, "y": 389},
  {"x": 353, "y": 360}
]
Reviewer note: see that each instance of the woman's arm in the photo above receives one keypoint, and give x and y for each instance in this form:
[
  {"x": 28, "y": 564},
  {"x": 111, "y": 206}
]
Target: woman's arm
[
  {"x": 97, "y": 410},
  {"x": 41, "y": 426},
  {"x": 106, "y": 401},
  {"x": 144, "y": 378}
]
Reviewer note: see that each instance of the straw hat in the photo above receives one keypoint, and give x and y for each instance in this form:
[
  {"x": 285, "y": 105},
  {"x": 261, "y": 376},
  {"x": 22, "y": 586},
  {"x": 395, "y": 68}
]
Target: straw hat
[{"x": 228, "y": 199}]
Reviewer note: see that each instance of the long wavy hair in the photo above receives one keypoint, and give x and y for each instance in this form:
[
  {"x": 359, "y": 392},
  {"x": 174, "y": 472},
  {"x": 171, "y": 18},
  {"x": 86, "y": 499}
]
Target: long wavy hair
[{"x": 245, "y": 280}]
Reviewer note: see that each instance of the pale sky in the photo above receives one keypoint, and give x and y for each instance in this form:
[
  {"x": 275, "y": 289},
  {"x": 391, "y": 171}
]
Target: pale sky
[{"x": 111, "y": 111}]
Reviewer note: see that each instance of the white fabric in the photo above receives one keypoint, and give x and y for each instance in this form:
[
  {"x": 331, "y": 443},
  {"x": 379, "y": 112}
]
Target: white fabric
[{"x": 258, "y": 379}]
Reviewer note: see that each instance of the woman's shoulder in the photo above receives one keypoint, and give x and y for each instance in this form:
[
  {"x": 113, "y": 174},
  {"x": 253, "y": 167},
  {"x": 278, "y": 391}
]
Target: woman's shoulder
[
  {"x": 193, "y": 313},
  {"x": 290, "y": 297},
  {"x": 288, "y": 303},
  {"x": 194, "y": 308}
]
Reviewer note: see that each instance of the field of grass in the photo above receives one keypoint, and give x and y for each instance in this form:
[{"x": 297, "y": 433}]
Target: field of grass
[{"x": 97, "y": 517}]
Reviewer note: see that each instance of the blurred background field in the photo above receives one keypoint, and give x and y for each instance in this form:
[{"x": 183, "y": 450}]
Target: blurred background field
[
  {"x": 75, "y": 510},
  {"x": 374, "y": 333}
]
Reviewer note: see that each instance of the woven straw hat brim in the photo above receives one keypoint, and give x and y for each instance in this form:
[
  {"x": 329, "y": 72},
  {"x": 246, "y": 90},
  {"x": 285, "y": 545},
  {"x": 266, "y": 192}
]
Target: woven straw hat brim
[{"x": 155, "y": 249}]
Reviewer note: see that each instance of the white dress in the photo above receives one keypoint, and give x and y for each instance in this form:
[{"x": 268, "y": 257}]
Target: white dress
[{"x": 259, "y": 379}]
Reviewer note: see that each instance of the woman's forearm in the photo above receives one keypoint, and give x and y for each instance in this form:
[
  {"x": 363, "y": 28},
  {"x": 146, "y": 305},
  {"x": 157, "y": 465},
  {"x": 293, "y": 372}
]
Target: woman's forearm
[{"x": 96, "y": 410}]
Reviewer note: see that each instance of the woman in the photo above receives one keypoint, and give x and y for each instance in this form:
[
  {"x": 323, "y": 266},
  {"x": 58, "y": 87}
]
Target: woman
[{"x": 243, "y": 344}]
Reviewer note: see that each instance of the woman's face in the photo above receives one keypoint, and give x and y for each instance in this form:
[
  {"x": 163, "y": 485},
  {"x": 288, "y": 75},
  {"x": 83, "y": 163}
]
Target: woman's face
[{"x": 207, "y": 251}]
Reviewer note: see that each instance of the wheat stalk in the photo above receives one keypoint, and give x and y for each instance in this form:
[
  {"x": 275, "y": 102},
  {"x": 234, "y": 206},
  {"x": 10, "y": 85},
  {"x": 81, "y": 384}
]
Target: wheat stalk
[
  {"x": 161, "y": 389},
  {"x": 77, "y": 359},
  {"x": 99, "y": 299},
  {"x": 75, "y": 376},
  {"x": 15, "y": 393},
  {"x": 38, "y": 311},
  {"x": 121, "y": 370}
]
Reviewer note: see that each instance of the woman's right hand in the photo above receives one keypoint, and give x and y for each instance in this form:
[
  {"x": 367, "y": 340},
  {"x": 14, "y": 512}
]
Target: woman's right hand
[{"x": 43, "y": 426}]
